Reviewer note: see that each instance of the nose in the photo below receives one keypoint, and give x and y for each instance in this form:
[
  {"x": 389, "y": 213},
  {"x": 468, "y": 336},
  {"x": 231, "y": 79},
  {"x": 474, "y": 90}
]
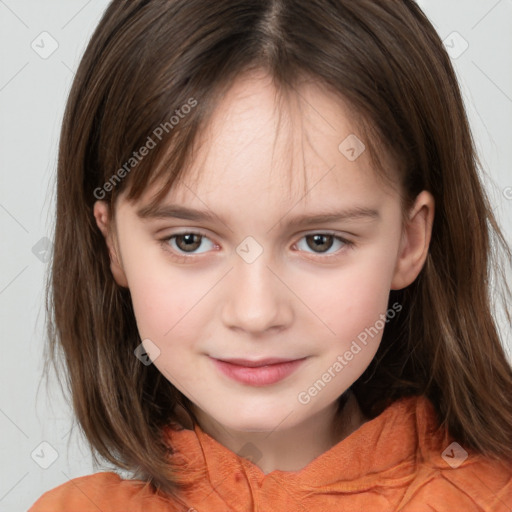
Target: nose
[{"x": 257, "y": 300}]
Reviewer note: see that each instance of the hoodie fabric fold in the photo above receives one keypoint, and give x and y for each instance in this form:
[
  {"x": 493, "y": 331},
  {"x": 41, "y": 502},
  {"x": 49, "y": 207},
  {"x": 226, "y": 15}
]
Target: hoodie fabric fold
[{"x": 399, "y": 461}]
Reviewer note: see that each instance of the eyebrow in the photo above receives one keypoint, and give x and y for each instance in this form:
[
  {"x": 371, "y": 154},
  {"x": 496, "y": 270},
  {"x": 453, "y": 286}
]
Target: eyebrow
[{"x": 182, "y": 212}]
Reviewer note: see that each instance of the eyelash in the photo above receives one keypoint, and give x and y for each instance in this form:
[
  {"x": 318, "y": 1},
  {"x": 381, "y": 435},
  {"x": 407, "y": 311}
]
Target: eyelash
[{"x": 181, "y": 258}]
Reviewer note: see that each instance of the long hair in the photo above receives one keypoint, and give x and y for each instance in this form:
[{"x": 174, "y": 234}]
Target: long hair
[{"x": 151, "y": 76}]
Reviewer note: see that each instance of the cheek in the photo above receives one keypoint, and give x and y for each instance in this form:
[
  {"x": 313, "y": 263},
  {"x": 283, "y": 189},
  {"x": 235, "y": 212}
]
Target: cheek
[
  {"x": 163, "y": 297},
  {"x": 353, "y": 297},
  {"x": 165, "y": 306}
]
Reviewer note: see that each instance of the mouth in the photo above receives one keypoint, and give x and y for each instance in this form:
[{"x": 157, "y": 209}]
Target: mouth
[
  {"x": 261, "y": 372},
  {"x": 257, "y": 364}
]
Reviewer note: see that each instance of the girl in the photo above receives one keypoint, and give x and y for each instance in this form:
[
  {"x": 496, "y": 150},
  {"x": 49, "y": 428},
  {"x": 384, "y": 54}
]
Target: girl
[{"x": 241, "y": 334}]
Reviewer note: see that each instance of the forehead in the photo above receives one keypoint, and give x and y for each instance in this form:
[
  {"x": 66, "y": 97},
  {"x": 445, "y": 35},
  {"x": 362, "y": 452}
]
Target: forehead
[{"x": 295, "y": 144}]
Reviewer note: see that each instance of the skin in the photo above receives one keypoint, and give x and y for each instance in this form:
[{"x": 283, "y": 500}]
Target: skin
[{"x": 292, "y": 301}]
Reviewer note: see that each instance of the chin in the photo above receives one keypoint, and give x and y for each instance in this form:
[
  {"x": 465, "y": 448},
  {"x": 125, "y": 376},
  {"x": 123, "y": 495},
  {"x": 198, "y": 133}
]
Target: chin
[
  {"x": 254, "y": 425},
  {"x": 258, "y": 420}
]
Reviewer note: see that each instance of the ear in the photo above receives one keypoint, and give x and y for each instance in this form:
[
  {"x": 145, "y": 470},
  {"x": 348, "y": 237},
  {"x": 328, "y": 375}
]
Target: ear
[
  {"x": 103, "y": 220},
  {"x": 415, "y": 241}
]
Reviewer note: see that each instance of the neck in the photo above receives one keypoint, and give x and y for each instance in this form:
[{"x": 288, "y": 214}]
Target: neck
[{"x": 277, "y": 450}]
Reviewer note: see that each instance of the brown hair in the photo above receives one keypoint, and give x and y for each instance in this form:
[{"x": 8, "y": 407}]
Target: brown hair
[{"x": 146, "y": 60}]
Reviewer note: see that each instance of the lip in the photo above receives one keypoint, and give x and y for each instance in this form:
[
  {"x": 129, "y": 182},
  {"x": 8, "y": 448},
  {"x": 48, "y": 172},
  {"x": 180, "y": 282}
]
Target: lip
[
  {"x": 263, "y": 372},
  {"x": 255, "y": 364}
]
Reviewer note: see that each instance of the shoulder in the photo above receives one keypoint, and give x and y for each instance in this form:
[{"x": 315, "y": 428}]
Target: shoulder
[
  {"x": 448, "y": 476},
  {"x": 478, "y": 484},
  {"x": 105, "y": 491}
]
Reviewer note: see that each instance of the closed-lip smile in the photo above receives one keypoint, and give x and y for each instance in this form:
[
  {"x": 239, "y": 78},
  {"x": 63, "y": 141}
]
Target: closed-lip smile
[
  {"x": 262, "y": 372},
  {"x": 255, "y": 364}
]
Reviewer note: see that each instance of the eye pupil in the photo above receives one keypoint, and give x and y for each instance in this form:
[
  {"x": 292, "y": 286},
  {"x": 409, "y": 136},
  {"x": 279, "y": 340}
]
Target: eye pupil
[{"x": 318, "y": 242}]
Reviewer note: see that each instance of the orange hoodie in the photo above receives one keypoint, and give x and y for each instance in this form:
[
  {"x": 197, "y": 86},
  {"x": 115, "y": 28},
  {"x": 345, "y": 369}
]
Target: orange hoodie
[{"x": 395, "y": 462}]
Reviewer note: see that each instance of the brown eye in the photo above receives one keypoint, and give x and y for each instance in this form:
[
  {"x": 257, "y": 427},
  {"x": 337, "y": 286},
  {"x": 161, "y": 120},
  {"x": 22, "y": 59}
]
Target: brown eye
[
  {"x": 188, "y": 242},
  {"x": 320, "y": 242}
]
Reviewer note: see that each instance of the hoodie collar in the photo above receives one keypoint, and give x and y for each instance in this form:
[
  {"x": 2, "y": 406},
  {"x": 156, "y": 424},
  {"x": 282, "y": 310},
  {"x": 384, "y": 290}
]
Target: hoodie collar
[{"x": 385, "y": 449}]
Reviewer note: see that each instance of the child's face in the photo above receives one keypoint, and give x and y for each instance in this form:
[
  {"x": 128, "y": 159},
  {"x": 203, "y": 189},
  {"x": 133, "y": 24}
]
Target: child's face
[{"x": 254, "y": 286}]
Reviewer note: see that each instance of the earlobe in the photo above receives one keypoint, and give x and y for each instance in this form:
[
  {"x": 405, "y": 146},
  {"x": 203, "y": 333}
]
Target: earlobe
[
  {"x": 415, "y": 241},
  {"x": 102, "y": 216}
]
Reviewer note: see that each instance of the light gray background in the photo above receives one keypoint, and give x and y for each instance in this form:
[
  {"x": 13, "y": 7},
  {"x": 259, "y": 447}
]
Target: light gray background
[{"x": 33, "y": 92}]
